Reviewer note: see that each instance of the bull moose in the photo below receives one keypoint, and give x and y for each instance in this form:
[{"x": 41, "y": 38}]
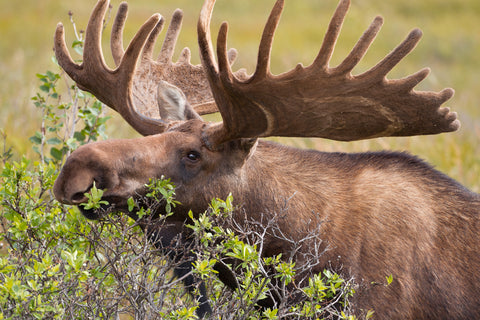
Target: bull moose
[{"x": 383, "y": 212}]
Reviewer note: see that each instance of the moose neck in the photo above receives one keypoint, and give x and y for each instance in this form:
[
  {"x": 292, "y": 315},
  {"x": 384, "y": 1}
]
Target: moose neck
[
  {"x": 274, "y": 187},
  {"x": 310, "y": 191},
  {"x": 274, "y": 181}
]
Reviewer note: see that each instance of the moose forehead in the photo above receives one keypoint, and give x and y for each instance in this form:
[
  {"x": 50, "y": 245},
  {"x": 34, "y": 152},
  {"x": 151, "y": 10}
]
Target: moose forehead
[
  {"x": 158, "y": 150},
  {"x": 179, "y": 136},
  {"x": 193, "y": 127}
]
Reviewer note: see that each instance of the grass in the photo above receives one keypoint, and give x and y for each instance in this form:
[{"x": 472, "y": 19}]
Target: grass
[{"x": 450, "y": 46}]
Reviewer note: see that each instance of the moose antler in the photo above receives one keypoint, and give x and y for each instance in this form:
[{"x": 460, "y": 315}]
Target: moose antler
[
  {"x": 181, "y": 74},
  {"x": 112, "y": 87},
  {"x": 319, "y": 101},
  {"x": 131, "y": 88}
]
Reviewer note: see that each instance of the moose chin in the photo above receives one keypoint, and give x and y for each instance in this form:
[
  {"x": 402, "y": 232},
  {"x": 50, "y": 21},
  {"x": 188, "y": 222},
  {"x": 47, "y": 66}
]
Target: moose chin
[{"x": 382, "y": 213}]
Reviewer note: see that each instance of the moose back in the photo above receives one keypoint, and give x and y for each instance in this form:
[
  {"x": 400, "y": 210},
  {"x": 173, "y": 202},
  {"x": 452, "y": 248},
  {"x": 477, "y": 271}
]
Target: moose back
[{"x": 379, "y": 214}]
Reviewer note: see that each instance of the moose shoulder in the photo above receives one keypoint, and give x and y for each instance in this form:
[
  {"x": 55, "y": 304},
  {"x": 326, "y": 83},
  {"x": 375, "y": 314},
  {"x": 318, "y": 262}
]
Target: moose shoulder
[{"x": 375, "y": 214}]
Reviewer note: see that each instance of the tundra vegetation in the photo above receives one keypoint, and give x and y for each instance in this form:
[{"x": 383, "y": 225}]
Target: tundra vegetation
[{"x": 57, "y": 265}]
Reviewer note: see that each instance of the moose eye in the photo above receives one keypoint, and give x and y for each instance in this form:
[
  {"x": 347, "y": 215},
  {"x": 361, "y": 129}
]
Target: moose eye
[{"x": 193, "y": 156}]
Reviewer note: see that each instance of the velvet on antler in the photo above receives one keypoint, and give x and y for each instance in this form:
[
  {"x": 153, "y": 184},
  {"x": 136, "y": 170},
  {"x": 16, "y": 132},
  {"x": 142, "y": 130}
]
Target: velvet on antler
[
  {"x": 313, "y": 101},
  {"x": 319, "y": 100},
  {"x": 131, "y": 88}
]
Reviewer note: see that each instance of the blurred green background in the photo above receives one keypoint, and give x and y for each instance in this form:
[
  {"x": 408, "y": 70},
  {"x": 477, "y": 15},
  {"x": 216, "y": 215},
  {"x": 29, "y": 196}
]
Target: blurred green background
[{"x": 450, "y": 47}]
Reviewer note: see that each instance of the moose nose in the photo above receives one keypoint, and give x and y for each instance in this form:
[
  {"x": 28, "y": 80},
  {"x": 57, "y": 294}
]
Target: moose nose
[
  {"x": 72, "y": 183},
  {"x": 72, "y": 191}
]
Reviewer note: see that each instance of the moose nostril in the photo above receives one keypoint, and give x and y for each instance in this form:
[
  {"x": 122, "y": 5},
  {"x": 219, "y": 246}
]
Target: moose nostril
[{"x": 79, "y": 197}]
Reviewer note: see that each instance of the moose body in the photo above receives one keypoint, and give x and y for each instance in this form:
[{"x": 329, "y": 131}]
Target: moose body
[
  {"x": 372, "y": 214},
  {"x": 381, "y": 213}
]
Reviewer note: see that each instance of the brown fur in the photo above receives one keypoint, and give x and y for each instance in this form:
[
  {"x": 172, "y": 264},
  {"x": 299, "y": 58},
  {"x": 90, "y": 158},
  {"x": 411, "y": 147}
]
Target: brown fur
[{"x": 382, "y": 213}]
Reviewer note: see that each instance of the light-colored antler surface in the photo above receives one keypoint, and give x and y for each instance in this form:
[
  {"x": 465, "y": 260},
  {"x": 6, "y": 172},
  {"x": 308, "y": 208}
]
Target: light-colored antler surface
[
  {"x": 318, "y": 100},
  {"x": 131, "y": 88},
  {"x": 189, "y": 78},
  {"x": 112, "y": 87}
]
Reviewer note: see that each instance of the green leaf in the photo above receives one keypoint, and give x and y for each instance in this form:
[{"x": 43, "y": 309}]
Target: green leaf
[
  {"x": 41, "y": 77},
  {"x": 52, "y": 76},
  {"x": 45, "y": 88},
  {"x": 270, "y": 314},
  {"x": 71, "y": 143},
  {"x": 53, "y": 141},
  {"x": 94, "y": 197},
  {"x": 77, "y": 45},
  {"x": 56, "y": 154},
  {"x": 370, "y": 314},
  {"x": 131, "y": 204},
  {"x": 79, "y": 136},
  {"x": 36, "y": 139}
]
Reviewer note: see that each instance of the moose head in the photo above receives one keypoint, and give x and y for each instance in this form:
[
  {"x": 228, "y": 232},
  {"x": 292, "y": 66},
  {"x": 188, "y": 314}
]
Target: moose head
[{"x": 382, "y": 211}]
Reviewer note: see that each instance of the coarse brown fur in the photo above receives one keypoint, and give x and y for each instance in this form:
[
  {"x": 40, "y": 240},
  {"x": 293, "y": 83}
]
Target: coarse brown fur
[{"x": 382, "y": 213}]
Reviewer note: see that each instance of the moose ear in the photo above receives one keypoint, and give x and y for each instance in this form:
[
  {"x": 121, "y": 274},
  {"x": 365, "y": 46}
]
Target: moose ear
[{"x": 173, "y": 104}]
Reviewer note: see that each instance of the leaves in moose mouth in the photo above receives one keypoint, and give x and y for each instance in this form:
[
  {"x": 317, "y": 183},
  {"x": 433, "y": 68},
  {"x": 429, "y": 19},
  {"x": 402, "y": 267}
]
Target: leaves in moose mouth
[
  {"x": 95, "y": 207},
  {"x": 94, "y": 196}
]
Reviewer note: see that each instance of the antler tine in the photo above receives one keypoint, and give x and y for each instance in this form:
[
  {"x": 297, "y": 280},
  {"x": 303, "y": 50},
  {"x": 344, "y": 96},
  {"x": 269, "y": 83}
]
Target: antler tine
[
  {"x": 136, "y": 46},
  {"x": 361, "y": 47},
  {"x": 63, "y": 56},
  {"x": 112, "y": 87},
  {"x": 152, "y": 39},
  {"x": 93, "y": 55},
  {"x": 410, "y": 82},
  {"x": 319, "y": 101},
  {"x": 380, "y": 70},
  {"x": 223, "y": 66},
  {"x": 205, "y": 40},
  {"x": 166, "y": 53},
  {"x": 116, "y": 36},
  {"x": 265, "y": 48},
  {"x": 116, "y": 39},
  {"x": 331, "y": 36}
]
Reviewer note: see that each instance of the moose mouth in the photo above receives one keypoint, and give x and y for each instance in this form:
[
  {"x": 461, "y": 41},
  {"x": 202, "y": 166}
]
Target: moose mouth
[
  {"x": 93, "y": 214},
  {"x": 113, "y": 205}
]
